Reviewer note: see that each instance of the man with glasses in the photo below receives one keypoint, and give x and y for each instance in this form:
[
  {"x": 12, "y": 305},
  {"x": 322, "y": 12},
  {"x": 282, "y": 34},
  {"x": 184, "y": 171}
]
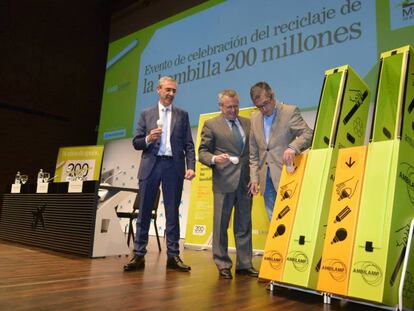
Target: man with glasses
[
  {"x": 278, "y": 133},
  {"x": 224, "y": 147}
]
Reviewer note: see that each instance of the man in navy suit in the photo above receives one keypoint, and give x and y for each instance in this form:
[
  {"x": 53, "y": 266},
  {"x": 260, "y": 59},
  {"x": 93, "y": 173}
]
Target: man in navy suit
[{"x": 164, "y": 136}]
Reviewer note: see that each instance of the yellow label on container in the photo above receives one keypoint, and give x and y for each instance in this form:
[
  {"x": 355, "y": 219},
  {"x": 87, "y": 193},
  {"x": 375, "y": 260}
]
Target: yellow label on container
[
  {"x": 280, "y": 229},
  {"x": 342, "y": 221}
]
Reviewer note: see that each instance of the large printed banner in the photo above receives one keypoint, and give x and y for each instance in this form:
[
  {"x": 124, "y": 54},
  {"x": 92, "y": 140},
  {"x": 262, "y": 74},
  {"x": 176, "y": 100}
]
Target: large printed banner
[
  {"x": 200, "y": 215},
  {"x": 235, "y": 43},
  {"x": 78, "y": 163}
]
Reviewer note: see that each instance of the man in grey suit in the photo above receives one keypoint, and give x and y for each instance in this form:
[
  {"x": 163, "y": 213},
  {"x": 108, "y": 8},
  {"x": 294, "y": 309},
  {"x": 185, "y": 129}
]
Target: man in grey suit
[
  {"x": 164, "y": 136},
  {"x": 225, "y": 148},
  {"x": 278, "y": 133}
]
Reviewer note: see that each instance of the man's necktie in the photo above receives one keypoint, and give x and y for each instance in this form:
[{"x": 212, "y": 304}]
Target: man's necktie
[
  {"x": 237, "y": 135},
  {"x": 267, "y": 124},
  {"x": 163, "y": 146}
]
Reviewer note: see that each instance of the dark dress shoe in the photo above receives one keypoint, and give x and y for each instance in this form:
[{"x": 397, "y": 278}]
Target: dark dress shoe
[
  {"x": 176, "y": 263},
  {"x": 225, "y": 274},
  {"x": 250, "y": 272},
  {"x": 136, "y": 263}
]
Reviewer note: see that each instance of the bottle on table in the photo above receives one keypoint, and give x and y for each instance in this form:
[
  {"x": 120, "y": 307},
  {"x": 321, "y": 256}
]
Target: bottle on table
[
  {"x": 17, "y": 178},
  {"x": 40, "y": 176}
]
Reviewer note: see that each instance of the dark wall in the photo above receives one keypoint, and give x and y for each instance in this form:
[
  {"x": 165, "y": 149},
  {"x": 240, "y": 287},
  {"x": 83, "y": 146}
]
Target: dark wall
[
  {"x": 52, "y": 65},
  {"x": 143, "y": 13}
]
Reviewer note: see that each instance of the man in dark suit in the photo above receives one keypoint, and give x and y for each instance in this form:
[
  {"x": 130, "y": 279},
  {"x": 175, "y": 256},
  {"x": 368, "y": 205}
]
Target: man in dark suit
[
  {"x": 164, "y": 136},
  {"x": 225, "y": 148}
]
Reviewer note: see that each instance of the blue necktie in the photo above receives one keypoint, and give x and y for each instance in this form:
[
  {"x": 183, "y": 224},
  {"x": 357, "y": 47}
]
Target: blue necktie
[
  {"x": 267, "y": 124},
  {"x": 163, "y": 146},
  {"x": 237, "y": 135}
]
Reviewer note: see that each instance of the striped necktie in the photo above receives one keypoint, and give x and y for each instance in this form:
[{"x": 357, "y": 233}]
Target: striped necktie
[{"x": 237, "y": 135}]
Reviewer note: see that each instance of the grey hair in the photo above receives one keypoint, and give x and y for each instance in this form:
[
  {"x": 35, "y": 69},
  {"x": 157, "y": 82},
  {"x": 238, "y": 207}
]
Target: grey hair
[{"x": 229, "y": 93}]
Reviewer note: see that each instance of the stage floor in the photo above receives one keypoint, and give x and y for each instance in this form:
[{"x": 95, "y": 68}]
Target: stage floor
[{"x": 37, "y": 279}]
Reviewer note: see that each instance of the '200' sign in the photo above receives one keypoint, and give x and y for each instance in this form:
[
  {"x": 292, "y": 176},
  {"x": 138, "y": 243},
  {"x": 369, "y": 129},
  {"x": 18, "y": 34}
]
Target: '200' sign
[{"x": 77, "y": 170}]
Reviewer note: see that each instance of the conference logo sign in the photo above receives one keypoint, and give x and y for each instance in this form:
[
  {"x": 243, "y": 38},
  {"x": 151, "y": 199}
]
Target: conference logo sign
[
  {"x": 401, "y": 13},
  {"x": 370, "y": 272},
  {"x": 274, "y": 258}
]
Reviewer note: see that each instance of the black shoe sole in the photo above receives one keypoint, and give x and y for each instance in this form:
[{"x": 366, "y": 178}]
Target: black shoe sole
[
  {"x": 247, "y": 274},
  {"x": 129, "y": 269},
  {"x": 179, "y": 269}
]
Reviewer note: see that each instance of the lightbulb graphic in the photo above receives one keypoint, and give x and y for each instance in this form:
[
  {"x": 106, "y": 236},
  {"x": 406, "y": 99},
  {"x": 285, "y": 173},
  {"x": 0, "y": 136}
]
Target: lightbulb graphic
[
  {"x": 286, "y": 195},
  {"x": 279, "y": 231},
  {"x": 234, "y": 160},
  {"x": 346, "y": 189},
  {"x": 340, "y": 235},
  {"x": 287, "y": 191},
  {"x": 345, "y": 193}
]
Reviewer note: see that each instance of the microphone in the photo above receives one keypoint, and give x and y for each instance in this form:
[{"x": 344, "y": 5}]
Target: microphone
[
  {"x": 113, "y": 175},
  {"x": 51, "y": 178},
  {"x": 160, "y": 123},
  {"x": 103, "y": 192}
]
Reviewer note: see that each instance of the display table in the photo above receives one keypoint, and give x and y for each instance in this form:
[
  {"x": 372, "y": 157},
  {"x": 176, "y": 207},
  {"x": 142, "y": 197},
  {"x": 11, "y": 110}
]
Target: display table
[{"x": 68, "y": 222}]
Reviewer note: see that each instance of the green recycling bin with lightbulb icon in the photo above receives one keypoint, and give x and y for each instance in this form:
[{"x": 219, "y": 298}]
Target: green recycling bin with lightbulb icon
[
  {"x": 340, "y": 123},
  {"x": 387, "y": 199}
]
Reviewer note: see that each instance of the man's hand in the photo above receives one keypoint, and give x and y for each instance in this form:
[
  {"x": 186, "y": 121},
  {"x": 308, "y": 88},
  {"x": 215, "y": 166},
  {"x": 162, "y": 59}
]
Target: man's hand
[
  {"x": 154, "y": 135},
  {"x": 189, "y": 174},
  {"x": 221, "y": 158},
  {"x": 289, "y": 156},
  {"x": 253, "y": 188}
]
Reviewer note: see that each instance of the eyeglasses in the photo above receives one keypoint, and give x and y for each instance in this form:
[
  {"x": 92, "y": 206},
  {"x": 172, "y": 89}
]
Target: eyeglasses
[{"x": 264, "y": 104}]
